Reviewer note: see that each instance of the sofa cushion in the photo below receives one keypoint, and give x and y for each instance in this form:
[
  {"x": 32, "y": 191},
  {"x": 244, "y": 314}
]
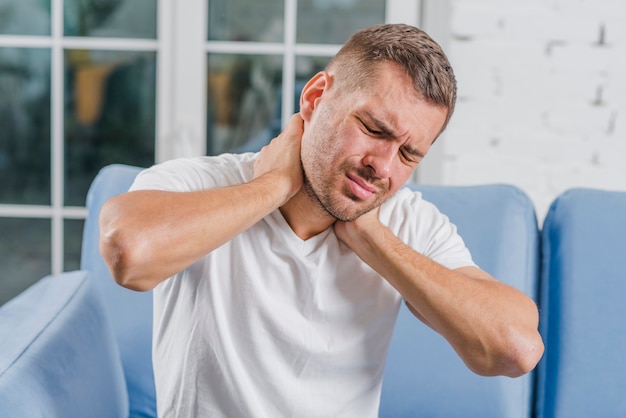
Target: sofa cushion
[
  {"x": 58, "y": 355},
  {"x": 130, "y": 312},
  {"x": 583, "y": 371},
  {"x": 424, "y": 377}
]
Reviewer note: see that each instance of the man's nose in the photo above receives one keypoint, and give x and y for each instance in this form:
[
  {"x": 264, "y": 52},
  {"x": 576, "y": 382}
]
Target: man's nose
[{"x": 380, "y": 159}]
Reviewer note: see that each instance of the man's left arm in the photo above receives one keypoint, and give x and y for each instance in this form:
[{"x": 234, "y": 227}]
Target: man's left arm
[{"x": 492, "y": 326}]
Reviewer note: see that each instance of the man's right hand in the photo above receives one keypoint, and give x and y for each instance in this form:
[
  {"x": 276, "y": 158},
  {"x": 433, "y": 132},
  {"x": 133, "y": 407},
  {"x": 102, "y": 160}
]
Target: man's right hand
[{"x": 281, "y": 157}]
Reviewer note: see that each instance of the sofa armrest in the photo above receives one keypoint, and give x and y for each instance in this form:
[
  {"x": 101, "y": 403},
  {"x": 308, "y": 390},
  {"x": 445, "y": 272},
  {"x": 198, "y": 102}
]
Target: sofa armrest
[
  {"x": 58, "y": 355},
  {"x": 583, "y": 322},
  {"x": 129, "y": 312}
]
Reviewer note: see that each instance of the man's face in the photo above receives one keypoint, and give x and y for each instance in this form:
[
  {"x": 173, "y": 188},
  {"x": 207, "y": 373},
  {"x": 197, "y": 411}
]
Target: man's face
[{"x": 360, "y": 147}]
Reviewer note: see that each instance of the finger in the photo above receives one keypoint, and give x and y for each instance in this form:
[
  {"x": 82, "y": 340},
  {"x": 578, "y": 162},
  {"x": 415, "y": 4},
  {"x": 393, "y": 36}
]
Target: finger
[{"x": 295, "y": 123}]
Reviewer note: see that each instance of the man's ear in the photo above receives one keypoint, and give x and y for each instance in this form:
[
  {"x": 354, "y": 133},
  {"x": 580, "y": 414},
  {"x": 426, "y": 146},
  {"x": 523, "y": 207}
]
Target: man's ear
[{"x": 311, "y": 94}]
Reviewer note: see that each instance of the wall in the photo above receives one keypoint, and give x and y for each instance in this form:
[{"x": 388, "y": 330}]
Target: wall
[{"x": 542, "y": 95}]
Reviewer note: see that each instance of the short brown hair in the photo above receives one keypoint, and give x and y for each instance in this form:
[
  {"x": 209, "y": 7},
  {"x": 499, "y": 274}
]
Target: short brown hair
[{"x": 419, "y": 56}]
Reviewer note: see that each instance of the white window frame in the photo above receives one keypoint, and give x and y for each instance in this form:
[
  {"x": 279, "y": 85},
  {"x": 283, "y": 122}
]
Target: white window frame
[
  {"x": 57, "y": 212},
  {"x": 184, "y": 133},
  {"x": 435, "y": 20}
]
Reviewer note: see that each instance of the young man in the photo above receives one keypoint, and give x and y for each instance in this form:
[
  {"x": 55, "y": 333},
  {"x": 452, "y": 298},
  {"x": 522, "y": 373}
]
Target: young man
[{"x": 278, "y": 276}]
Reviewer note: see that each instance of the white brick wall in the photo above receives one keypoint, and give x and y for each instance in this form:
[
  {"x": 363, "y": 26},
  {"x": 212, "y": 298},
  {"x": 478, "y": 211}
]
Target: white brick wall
[{"x": 542, "y": 95}]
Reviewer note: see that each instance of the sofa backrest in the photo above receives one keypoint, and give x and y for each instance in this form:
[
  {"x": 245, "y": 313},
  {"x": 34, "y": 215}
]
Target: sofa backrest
[
  {"x": 583, "y": 371},
  {"x": 58, "y": 355},
  {"x": 424, "y": 376},
  {"x": 129, "y": 312}
]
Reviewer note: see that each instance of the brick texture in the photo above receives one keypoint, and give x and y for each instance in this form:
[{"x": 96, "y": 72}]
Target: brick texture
[{"x": 542, "y": 95}]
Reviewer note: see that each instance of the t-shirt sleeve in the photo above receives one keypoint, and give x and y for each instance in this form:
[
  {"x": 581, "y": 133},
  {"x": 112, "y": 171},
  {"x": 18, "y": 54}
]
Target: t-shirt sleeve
[
  {"x": 421, "y": 225},
  {"x": 191, "y": 174}
]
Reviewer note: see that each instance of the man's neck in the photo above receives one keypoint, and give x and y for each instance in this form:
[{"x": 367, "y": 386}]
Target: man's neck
[{"x": 305, "y": 218}]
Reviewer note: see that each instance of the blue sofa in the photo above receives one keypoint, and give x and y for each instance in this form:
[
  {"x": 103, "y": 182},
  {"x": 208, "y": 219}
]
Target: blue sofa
[
  {"x": 78, "y": 345},
  {"x": 583, "y": 305}
]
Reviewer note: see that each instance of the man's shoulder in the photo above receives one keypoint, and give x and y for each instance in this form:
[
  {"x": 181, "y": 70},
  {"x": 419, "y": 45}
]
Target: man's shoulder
[
  {"x": 193, "y": 173},
  {"x": 404, "y": 199},
  {"x": 223, "y": 163},
  {"x": 407, "y": 210}
]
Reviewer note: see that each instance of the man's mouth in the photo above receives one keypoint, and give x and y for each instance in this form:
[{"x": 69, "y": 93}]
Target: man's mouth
[{"x": 359, "y": 187}]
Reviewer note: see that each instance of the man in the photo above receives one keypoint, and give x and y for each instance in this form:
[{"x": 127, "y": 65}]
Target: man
[{"x": 278, "y": 276}]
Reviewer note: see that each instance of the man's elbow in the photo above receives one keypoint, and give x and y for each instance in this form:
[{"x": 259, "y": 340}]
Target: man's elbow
[
  {"x": 121, "y": 255},
  {"x": 515, "y": 358},
  {"x": 525, "y": 357},
  {"x": 521, "y": 347}
]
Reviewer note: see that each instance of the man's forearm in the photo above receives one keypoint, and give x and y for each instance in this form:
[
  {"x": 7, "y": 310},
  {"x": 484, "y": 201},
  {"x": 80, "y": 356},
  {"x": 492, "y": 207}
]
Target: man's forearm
[
  {"x": 492, "y": 326},
  {"x": 147, "y": 236}
]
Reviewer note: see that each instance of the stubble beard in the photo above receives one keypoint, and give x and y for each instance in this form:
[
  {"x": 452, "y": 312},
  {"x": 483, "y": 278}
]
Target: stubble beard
[{"x": 324, "y": 200}]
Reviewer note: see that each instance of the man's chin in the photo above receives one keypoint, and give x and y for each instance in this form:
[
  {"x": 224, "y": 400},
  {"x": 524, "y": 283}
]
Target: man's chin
[
  {"x": 343, "y": 207},
  {"x": 351, "y": 214}
]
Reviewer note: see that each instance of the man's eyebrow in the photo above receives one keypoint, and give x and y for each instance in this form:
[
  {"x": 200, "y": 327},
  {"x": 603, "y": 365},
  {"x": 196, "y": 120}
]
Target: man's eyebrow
[
  {"x": 385, "y": 129},
  {"x": 414, "y": 151},
  {"x": 390, "y": 133}
]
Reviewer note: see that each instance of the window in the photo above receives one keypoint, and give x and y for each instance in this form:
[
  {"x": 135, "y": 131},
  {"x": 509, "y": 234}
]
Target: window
[
  {"x": 77, "y": 92},
  {"x": 86, "y": 83}
]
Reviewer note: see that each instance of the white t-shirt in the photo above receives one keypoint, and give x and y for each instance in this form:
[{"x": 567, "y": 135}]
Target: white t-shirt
[{"x": 269, "y": 325}]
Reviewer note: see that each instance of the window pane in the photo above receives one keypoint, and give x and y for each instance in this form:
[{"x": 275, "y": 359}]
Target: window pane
[
  {"x": 25, "y": 17},
  {"x": 73, "y": 238},
  {"x": 24, "y": 126},
  {"x": 333, "y": 21},
  {"x": 111, "y": 18},
  {"x": 307, "y": 67},
  {"x": 109, "y": 114},
  {"x": 244, "y": 101},
  {"x": 244, "y": 20},
  {"x": 24, "y": 254}
]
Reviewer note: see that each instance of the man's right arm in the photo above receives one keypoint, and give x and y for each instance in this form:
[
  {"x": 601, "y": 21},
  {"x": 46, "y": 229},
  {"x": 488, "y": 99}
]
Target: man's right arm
[{"x": 147, "y": 236}]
